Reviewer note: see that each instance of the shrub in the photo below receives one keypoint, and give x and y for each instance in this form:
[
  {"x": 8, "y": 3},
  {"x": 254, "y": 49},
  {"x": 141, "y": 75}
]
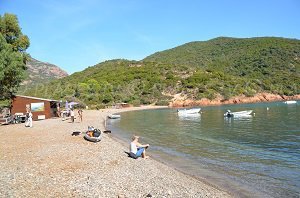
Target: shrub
[{"x": 136, "y": 103}]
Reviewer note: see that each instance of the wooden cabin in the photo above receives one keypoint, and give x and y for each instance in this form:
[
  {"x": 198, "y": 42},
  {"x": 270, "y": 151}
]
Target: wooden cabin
[{"x": 41, "y": 108}]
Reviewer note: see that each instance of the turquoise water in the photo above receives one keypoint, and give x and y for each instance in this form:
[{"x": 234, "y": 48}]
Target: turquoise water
[{"x": 253, "y": 156}]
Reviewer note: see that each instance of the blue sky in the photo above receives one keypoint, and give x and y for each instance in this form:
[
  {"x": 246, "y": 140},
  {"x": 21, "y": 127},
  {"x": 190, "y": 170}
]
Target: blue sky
[{"x": 75, "y": 34}]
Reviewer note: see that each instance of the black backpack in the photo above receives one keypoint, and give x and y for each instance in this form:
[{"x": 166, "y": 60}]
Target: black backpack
[{"x": 96, "y": 133}]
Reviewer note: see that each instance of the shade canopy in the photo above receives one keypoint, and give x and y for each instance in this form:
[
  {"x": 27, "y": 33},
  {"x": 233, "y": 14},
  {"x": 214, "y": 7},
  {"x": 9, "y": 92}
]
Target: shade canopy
[{"x": 71, "y": 104}]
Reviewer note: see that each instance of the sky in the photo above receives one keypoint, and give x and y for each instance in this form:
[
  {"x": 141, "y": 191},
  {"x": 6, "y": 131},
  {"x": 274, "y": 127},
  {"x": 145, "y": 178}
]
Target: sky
[{"x": 76, "y": 34}]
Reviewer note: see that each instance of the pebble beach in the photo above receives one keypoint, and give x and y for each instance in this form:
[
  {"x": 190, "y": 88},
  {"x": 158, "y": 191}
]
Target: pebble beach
[{"x": 47, "y": 161}]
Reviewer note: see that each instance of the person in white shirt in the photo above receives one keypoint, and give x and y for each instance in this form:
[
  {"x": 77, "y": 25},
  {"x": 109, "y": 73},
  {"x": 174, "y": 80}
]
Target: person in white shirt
[
  {"x": 29, "y": 120},
  {"x": 137, "y": 149},
  {"x": 72, "y": 114}
]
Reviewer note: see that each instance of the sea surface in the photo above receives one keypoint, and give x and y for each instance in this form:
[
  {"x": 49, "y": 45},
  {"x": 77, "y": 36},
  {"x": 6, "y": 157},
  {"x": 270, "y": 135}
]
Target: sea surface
[{"x": 251, "y": 156}]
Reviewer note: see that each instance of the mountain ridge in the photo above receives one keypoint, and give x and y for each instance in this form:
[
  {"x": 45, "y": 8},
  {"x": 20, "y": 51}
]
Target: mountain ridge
[
  {"x": 221, "y": 68},
  {"x": 39, "y": 72}
]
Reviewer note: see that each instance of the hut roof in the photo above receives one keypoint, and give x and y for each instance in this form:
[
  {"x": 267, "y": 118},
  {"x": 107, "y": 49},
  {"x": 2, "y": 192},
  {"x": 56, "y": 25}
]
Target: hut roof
[{"x": 31, "y": 97}]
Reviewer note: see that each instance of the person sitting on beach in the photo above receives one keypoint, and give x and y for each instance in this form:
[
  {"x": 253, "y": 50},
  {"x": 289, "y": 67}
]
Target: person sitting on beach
[{"x": 137, "y": 149}]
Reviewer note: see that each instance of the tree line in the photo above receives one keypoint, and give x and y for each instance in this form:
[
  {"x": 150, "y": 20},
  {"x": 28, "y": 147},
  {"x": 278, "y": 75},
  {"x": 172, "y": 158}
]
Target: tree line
[{"x": 13, "y": 56}]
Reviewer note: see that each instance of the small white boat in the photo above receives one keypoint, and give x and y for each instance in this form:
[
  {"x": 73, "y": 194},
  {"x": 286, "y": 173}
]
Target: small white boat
[
  {"x": 188, "y": 111},
  {"x": 238, "y": 113},
  {"x": 114, "y": 116},
  {"x": 290, "y": 102}
]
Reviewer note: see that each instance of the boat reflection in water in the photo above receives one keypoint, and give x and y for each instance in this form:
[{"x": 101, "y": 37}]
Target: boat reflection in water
[
  {"x": 192, "y": 117},
  {"x": 188, "y": 111}
]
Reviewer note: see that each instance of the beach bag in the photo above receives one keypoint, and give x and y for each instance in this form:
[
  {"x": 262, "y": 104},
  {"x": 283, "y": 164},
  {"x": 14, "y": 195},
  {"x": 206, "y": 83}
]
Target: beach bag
[{"x": 97, "y": 132}]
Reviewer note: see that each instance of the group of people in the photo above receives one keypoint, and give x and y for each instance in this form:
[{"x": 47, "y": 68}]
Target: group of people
[
  {"x": 136, "y": 148},
  {"x": 72, "y": 115},
  {"x": 28, "y": 121}
]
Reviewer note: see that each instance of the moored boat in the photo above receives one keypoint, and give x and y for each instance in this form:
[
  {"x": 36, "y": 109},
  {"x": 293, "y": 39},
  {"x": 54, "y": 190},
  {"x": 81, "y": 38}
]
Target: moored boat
[
  {"x": 290, "y": 102},
  {"x": 237, "y": 113},
  {"x": 114, "y": 116}
]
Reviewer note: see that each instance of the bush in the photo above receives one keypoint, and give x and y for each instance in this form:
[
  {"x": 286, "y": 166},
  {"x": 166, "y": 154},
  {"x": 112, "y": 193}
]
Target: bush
[
  {"x": 145, "y": 101},
  {"x": 136, "y": 103},
  {"x": 4, "y": 103}
]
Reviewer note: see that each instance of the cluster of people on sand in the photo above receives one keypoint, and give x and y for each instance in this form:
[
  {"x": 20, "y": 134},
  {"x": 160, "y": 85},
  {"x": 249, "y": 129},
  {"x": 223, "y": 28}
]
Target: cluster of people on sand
[
  {"x": 136, "y": 148},
  {"x": 28, "y": 121},
  {"x": 72, "y": 114}
]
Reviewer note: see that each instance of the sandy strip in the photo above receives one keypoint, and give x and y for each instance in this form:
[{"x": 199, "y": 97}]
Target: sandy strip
[{"x": 46, "y": 161}]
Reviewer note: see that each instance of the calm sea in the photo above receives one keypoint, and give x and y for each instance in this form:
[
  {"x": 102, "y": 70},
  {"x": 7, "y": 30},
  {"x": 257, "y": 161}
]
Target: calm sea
[{"x": 253, "y": 156}]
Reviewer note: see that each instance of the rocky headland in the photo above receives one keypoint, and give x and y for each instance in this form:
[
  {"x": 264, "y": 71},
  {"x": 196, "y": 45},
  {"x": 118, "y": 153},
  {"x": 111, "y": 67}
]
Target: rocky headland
[{"x": 261, "y": 97}]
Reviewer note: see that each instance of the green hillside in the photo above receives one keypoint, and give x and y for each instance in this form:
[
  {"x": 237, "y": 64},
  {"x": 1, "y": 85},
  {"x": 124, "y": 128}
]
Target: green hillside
[{"x": 221, "y": 67}]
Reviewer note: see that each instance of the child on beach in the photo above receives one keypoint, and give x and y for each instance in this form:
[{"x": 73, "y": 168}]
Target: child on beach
[
  {"x": 137, "y": 149},
  {"x": 80, "y": 114},
  {"x": 72, "y": 113}
]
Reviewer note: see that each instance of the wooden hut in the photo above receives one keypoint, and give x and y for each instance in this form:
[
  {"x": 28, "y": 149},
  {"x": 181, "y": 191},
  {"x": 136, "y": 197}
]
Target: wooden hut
[{"x": 41, "y": 108}]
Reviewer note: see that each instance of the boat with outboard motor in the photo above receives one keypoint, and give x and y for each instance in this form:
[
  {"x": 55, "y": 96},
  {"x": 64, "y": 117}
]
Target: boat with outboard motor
[
  {"x": 290, "y": 102},
  {"x": 114, "y": 116},
  {"x": 237, "y": 113}
]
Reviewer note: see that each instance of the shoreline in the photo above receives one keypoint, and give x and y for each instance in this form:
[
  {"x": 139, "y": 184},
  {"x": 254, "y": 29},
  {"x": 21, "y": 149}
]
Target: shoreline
[
  {"x": 258, "y": 98},
  {"x": 199, "y": 178},
  {"x": 46, "y": 160},
  {"x": 236, "y": 190}
]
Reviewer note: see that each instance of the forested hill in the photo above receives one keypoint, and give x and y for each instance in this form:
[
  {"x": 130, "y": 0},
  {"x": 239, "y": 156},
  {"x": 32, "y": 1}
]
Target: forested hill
[
  {"x": 241, "y": 57},
  {"x": 221, "y": 67}
]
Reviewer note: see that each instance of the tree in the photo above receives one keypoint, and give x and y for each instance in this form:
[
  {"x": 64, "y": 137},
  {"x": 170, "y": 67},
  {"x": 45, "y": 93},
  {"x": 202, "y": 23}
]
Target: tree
[
  {"x": 12, "y": 55},
  {"x": 93, "y": 86}
]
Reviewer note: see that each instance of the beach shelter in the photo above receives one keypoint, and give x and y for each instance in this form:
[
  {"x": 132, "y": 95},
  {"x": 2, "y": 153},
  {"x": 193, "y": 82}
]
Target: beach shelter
[
  {"x": 71, "y": 104},
  {"x": 40, "y": 108}
]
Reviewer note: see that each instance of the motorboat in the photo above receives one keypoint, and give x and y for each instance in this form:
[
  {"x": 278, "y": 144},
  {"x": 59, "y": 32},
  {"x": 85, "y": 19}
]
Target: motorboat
[
  {"x": 290, "y": 102},
  {"x": 114, "y": 116},
  {"x": 188, "y": 111},
  {"x": 237, "y": 113}
]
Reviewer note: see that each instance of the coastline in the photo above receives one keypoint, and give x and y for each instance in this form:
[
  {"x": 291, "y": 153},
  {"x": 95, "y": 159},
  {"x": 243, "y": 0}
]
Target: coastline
[
  {"x": 47, "y": 161},
  {"x": 258, "y": 98}
]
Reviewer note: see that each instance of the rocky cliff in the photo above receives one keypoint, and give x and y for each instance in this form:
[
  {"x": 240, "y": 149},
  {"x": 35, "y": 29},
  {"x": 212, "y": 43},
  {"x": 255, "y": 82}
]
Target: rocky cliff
[
  {"x": 41, "y": 72},
  {"x": 261, "y": 97}
]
